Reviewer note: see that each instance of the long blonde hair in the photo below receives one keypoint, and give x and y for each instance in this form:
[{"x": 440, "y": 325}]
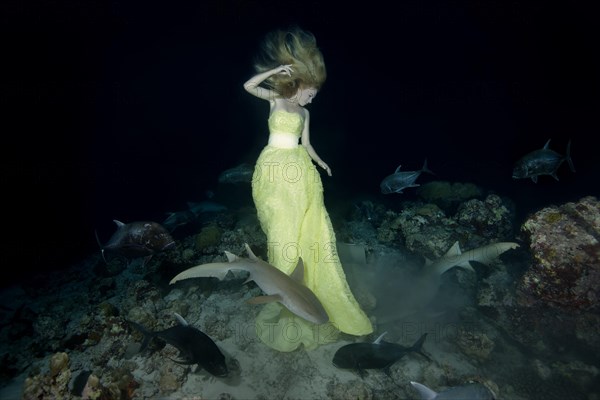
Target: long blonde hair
[{"x": 297, "y": 47}]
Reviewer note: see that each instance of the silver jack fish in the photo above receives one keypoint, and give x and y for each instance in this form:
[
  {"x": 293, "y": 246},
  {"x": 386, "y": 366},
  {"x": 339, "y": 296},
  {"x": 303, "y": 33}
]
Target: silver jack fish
[
  {"x": 399, "y": 181},
  {"x": 541, "y": 162}
]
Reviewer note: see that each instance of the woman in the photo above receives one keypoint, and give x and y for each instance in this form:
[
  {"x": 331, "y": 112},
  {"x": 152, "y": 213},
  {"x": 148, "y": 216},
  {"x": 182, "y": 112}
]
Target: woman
[{"x": 288, "y": 194}]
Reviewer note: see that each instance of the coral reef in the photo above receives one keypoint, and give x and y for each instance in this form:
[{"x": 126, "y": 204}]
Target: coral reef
[
  {"x": 565, "y": 244},
  {"x": 475, "y": 345},
  {"x": 53, "y": 384},
  {"x": 551, "y": 305},
  {"x": 489, "y": 219},
  {"x": 66, "y": 336},
  {"x": 208, "y": 238},
  {"x": 427, "y": 230}
]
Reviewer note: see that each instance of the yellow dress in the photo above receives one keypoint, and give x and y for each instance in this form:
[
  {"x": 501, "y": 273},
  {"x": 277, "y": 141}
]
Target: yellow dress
[{"x": 288, "y": 195}]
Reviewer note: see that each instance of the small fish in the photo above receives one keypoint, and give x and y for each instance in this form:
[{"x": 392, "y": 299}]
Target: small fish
[
  {"x": 195, "y": 347},
  {"x": 178, "y": 218},
  {"x": 137, "y": 239},
  {"x": 399, "y": 181},
  {"x": 541, "y": 162},
  {"x": 240, "y": 174},
  {"x": 287, "y": 290},
  {"x": 205, "y": 206},
  {"x": 376, "y": 355},
  {"x": 473, "y": 391}
]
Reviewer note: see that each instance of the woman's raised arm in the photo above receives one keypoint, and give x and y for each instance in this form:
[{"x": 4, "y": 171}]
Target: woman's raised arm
[{"x": 252, "y": 87}]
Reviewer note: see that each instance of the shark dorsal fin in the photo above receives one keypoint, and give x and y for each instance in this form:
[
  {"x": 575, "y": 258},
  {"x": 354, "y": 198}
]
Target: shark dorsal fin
[
  {"x": 119, "y": 223},
  {"x": 298, "y": 272},
  {"x": 424, "y": 391},
  {"x": 181, "y": 320},
  {"x": 397, "y": 169},
  {"x": 230, "y": 256},
  {"x": 251, "y": 254},
  {"x": 454, "y": 250},
  {"x": 378, "y": 340}
]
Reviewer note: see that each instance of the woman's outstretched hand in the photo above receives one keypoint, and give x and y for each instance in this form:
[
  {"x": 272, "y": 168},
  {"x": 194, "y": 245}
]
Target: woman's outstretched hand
[{"x": 324, "y": 165}]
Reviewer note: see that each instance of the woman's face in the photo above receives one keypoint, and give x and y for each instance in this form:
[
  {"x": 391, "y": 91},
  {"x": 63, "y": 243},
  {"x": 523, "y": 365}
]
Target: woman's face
[{"x": 306, "y": 95}]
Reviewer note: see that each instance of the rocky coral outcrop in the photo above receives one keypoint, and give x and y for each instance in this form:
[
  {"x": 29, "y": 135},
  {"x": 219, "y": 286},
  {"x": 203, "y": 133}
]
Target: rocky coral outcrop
[
  {"x": 426, "y": 229},
  {"x": 565, "y": 245},
  {"x": 551, "y": 306}
]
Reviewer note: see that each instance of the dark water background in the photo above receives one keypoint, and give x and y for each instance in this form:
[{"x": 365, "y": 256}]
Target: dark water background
[{"x": 117, "y": 110}]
